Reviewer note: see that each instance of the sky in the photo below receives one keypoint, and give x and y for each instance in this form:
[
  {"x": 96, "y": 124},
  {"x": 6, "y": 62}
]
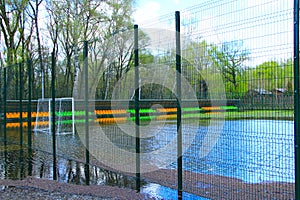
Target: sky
[
  {"x": 264, "y": 26},
  {"x": 150, "y": 9}
]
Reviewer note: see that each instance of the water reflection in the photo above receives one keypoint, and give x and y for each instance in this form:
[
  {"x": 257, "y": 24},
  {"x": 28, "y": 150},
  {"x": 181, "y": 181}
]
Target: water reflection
[
  {"x": 251, "y": 150},
  {"x": 160, "y": 192},
  {"x": 69, "y": 171}
]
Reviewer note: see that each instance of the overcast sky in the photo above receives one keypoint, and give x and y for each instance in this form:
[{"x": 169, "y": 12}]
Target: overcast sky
[
  {"x": 150, "y": 9},
  {"x": 264, "y": 26}
]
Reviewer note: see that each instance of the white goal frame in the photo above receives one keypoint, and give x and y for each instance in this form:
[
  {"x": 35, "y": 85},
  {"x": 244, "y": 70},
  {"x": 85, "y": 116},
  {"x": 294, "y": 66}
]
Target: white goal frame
[{"x": 48, "y": 129}]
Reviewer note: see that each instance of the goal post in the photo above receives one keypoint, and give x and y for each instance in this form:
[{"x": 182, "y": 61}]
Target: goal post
[{"x": 64, "y": 116}]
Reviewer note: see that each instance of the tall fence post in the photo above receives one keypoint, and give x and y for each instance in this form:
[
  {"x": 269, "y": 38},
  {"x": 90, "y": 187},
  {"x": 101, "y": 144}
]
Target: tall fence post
[
  {"x": 178, "y": 91},
  {"x": 20, "y": 65},
  {"x": 86, "y": 101},
  {"x": 53, "y": 115},
  {"x": 296, "y": 100},
  {"x": 20, "y": 103},
  {"x": 29, "y": 117},
  {"x": 29, "y": 120},
  {"x": 137, "y": 108},
  {"x": 5, "y": 119},
  {"x": 5, "y": 106}
]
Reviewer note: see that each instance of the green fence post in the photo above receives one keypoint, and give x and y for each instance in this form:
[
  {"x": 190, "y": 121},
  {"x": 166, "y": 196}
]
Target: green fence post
[
  {"x": 296, "y": 100},
  {"x": 29, "y": 138},
  {"x": 86, "y": 101},
  {"x": 53, "y": 115},
  {"x": 20, "y": 103},
  {"x": 20, "y": 65},
  {"x": 137, "y": 108},
  {"x": 29, "y": 117},
  {"x": 5, "y": 120},
  {"x": 4, "y": 106},
  {"x": 178, "y": 90}
]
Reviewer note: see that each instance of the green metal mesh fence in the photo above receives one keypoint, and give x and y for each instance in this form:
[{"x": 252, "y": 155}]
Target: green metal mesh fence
[{"x": 237, "y": 103}]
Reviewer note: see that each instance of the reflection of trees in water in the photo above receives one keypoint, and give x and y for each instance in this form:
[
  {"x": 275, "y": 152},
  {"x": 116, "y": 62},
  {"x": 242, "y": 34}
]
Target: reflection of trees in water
[
  {"x": 42, "y": 164},
  {"x": 42, "y": 169},
  {"x": 18, "y": 164},
  {"x": 115, "y": 179},
  {"x": 13, "y": 163},
  {"x": 75, "y": 174}
]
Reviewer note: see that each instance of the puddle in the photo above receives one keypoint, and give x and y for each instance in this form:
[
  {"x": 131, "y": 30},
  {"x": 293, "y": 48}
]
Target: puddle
[
  {"x": 160, "y": 192},
  {"x": 18, "y": 164}
]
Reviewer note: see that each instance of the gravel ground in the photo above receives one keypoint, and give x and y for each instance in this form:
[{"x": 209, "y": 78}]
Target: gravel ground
[
  {"x": 28, "y": 193},
  {"x": 209, "y": 186},
  {"x": 34, "y": 188},
  {"x": 221, "y": 187}
]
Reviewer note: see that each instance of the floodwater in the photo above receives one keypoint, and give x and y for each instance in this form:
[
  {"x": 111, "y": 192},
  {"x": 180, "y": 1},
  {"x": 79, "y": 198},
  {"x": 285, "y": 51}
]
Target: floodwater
[{"x": 252, "y": 150}]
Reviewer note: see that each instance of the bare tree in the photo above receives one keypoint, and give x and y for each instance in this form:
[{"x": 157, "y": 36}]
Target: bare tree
[{"x": 34, "y": 14}]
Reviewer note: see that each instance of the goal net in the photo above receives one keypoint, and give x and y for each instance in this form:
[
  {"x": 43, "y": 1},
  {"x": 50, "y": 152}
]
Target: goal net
[{"x": 64, "y": 116}]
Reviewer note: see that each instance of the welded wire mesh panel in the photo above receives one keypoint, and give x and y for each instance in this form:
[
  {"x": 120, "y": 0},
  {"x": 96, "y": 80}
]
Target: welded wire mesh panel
[
  {"x": 236, "y": 101},
  {"x": 250, "y": 45},
  {"x": 237, "y": 57}
]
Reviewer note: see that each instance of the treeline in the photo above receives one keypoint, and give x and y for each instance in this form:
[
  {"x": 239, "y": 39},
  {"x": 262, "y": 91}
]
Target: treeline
[
  {"x": 213, "y": 71},
  {"x": 36, "y": 29}
]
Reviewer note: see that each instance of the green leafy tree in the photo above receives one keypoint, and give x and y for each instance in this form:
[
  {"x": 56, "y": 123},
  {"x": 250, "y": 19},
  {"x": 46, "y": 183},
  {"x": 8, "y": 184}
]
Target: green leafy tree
[
  {"x": 230, "y": 59},
  {"x": 198, "y": 66},
  {"x": 74, "y": 22},
  {"x": 15, "y": 38},
  {"x": 100, "y": 23},
  {"x": 269, "y": 76},
  {"x": 288, "y": 75},
  {"x": 11, "y": 12}
]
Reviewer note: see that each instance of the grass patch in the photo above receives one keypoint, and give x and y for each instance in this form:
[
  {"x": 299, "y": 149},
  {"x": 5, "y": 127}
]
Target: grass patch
[{"x": 261, "y": 114}]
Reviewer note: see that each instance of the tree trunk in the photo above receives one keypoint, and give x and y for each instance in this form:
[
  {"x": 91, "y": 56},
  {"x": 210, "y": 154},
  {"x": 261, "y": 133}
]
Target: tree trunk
[{"x": 40, "y": 55}]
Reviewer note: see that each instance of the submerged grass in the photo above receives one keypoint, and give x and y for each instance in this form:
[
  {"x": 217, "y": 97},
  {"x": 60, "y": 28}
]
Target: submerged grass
[
  {"x": 259, "y": 114},
  {"x": 242, "y": 115}
]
